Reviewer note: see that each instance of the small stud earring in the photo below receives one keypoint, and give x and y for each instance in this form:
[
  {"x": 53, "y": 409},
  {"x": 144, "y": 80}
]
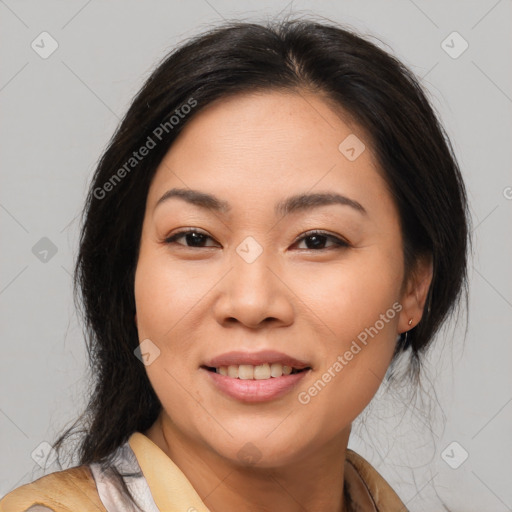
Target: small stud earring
[{"x": 410, "y": 321}]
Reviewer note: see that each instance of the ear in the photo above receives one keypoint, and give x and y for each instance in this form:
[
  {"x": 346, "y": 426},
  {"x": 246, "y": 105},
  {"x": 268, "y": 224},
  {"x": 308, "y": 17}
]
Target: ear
[{"x": 415, "y": 294}]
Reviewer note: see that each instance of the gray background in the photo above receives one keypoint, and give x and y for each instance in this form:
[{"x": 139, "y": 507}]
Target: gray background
[{"x": 57, "y": 116}]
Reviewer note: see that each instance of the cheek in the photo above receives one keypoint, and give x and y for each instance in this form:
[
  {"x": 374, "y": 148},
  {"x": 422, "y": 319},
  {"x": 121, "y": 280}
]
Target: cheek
[
  {"x": 167, "y": 298},
  {"x": 349, "y": 374},
  {"x": 163, "y": 297},
  {"x": 358, "y": 306},
  {"x": 350, "y": 295},
  {"x": 163, "y": 294}
]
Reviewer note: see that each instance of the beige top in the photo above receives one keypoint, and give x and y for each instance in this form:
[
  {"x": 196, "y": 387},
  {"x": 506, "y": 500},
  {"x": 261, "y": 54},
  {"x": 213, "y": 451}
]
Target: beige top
[{"x": 160, "y": 486}]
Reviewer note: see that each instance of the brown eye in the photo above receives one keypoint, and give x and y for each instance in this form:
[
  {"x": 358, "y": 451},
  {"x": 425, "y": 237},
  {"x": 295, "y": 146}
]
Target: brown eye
[
  {"x": 193, "y": 238},
  {"x": 316, "y": 240}
]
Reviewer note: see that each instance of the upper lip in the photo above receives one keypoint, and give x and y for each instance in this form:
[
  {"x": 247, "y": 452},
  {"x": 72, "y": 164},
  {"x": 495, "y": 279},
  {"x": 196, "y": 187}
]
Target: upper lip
[{"x": 255, "y": 358}]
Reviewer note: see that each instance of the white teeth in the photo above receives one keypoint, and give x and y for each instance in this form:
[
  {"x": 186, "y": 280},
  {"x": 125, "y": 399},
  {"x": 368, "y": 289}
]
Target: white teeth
[
  {"x": 276, "y": 370},
  {"x": 245, "y": 372},
  {"x": 262, "y": 371},
  {"x": 232, "y": 371},
  {"x": 259, "y": 372}
]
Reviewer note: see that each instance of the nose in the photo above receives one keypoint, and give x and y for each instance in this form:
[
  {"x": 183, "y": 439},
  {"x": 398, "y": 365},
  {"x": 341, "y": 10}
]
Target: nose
[{"x": 254, "y": 294}]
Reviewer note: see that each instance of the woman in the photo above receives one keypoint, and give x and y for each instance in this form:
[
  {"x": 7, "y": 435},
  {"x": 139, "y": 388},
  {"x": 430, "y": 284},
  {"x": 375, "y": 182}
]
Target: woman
[{"x": 278, "y": 218}]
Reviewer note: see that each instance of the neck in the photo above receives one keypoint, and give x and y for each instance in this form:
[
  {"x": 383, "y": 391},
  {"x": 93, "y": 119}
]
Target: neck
[{"x": 312, "y": 482}]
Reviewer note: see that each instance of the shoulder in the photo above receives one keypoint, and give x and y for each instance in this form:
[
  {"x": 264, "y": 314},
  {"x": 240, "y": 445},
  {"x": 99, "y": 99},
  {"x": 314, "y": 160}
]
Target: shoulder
[
  {"x": 366, "y": 485},
  {"x": 69, "y": 490}
]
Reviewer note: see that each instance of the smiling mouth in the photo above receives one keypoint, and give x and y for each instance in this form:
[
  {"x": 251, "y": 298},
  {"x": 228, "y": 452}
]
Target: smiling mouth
[{"x": 255, "y": 372}]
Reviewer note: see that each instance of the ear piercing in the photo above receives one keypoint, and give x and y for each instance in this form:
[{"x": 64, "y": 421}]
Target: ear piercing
[{"x": 406, "y": 340}]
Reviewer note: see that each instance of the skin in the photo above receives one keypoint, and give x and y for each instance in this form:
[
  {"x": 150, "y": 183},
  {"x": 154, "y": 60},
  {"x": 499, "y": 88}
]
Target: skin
[{"x": 194, "y": 303}]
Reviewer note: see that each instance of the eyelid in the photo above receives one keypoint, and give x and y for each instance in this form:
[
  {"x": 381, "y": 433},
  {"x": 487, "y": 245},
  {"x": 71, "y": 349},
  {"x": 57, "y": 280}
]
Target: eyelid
[
  {"x": 187, "y": 230},
  {"x": 336, "y": 239},
  {"x": 171, "y": 238}
]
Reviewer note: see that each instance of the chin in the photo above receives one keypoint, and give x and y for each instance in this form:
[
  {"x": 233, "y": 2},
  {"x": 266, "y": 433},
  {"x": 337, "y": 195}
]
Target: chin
[{"x": 254, "y": 450}]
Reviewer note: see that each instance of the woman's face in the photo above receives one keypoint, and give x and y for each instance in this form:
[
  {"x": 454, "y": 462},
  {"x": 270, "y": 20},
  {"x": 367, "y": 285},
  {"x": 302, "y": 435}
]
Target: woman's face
[{"x": 252, "y": 176}]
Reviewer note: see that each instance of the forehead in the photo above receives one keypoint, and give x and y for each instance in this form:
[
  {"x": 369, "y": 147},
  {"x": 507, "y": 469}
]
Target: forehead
[
  {"x": 261, "y": 146},
  {"x": 270, "y": 121}
]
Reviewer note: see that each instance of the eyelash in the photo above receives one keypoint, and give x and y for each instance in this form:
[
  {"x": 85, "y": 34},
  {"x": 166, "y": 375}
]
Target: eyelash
[{"x": 339, "y": 242}]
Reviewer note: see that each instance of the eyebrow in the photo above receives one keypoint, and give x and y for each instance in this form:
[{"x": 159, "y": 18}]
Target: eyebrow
[{"x": 292, "y": 204}]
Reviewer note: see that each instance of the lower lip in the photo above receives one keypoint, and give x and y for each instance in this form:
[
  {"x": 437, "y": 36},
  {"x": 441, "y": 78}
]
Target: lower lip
[{"x": 252, "y": 390}]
